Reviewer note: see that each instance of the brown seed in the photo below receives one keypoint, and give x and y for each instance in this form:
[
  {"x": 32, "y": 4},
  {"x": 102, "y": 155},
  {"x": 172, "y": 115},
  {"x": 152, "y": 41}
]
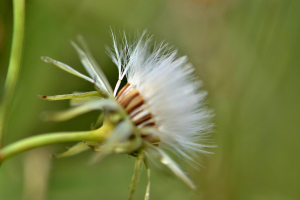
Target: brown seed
[
  {"x": 135, "y": 102},
  {"x": 143, "y": 119},
  {"x": 151, "y": 138},
  {"x": 128, "y": 97},
  {"x": 122, "y": 91}
]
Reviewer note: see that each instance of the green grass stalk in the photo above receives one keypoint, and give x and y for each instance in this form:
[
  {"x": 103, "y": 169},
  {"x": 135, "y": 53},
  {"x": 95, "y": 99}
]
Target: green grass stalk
[{"x": 14, "y": 65}]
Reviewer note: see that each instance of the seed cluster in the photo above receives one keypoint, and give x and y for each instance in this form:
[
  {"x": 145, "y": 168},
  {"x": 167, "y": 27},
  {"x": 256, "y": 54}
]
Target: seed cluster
[{"x": 137, "y": 109}]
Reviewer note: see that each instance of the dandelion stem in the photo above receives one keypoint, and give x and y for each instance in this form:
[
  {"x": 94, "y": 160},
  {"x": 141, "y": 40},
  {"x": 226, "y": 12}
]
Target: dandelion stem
[
  {"x": 14, "y": 65},
  {"x": 98, "y": 135}
]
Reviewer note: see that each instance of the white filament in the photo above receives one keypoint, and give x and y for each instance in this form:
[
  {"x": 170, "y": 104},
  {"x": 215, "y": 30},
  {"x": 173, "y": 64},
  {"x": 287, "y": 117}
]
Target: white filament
[{"x": 170, "y": 90}]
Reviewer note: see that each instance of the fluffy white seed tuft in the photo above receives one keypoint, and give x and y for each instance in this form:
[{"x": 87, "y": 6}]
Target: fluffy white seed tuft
[{"x": 171, "y": 92}]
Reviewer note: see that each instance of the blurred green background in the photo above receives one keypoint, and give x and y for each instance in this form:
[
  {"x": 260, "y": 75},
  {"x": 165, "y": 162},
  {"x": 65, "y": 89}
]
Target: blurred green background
[{"x": 245, "y": 51}]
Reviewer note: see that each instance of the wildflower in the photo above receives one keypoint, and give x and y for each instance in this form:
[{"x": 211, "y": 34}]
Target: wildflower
[
  {"x": 162, "y": 93},
  {"x": 159, "y": 106}
]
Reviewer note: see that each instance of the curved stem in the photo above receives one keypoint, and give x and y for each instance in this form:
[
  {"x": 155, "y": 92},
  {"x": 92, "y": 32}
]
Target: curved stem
[
  {"x": 14, "y": 64},
  {"x": 98, "y": 135}
]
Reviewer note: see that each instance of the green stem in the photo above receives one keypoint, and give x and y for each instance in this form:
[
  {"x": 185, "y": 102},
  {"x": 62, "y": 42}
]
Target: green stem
[
  {"x": 98, "y": 135},
  {"x": 14, "y": 64}
]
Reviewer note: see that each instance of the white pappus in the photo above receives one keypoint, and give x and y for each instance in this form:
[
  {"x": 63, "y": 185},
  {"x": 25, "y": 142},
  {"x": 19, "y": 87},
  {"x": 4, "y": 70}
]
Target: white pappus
[{"x": 170, "y": 92}]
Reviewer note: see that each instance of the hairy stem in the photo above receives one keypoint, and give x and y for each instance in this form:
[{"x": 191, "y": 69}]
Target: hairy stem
[
  {"x": 14, "y": 64},
  {"x": 98, "y": 135}
]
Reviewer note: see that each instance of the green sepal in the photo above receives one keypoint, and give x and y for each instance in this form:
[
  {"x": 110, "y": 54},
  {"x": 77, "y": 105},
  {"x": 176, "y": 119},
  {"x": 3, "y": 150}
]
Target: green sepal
[
  {"x": 77, "y": 148},
  {"x": 137, "y": 172}
]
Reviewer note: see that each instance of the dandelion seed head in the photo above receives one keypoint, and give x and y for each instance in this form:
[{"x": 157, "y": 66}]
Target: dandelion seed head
[
  {"x": 163, "y": 93},
  {"x": 162, "y": 98}
]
